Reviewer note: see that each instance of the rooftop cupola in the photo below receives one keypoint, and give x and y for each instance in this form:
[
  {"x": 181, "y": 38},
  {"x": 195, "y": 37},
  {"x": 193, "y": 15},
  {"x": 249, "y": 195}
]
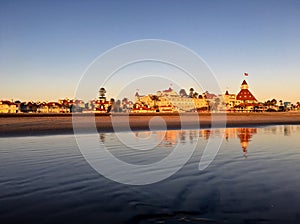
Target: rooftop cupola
[{"x": 244, "y": 85}]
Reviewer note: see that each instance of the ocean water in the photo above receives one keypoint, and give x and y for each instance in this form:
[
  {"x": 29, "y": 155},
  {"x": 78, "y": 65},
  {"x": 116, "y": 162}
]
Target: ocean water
[{"x": 255, "y": 178}]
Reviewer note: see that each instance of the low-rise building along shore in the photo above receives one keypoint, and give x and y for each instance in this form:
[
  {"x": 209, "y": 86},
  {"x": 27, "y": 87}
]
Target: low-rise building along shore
[
  {"x": 8, "y": 107},
  {"x": 169, "y": 101},
  {"x": 166, "y": 101},
  {"x": 244, "y": 101}
]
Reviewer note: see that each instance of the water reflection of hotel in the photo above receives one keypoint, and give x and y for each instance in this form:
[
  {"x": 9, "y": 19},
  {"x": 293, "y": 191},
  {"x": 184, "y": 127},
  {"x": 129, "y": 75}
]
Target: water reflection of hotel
[
  {"x": 245, "y": 135},
  {"x": 172, "y": 137}
]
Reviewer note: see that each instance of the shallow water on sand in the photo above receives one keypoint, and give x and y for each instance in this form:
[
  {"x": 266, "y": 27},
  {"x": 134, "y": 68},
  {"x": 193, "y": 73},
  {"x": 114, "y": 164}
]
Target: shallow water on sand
[{"x": 253, "y": 179}]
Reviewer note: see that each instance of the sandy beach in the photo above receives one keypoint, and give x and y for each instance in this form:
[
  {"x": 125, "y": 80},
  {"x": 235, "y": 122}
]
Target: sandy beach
[{"x": 53, "y": 124}]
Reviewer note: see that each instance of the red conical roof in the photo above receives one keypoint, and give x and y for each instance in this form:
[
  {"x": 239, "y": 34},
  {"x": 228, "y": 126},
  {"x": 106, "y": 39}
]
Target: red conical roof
[{"x": 245, "y": 94}]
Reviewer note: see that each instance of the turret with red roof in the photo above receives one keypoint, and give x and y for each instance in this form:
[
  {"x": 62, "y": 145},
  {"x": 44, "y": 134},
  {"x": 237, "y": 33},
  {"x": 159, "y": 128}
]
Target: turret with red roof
[{"x": 245, "y": 94}]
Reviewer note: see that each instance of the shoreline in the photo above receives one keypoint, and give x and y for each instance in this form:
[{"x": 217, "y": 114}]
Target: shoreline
[{"x": 21, "y": 125}]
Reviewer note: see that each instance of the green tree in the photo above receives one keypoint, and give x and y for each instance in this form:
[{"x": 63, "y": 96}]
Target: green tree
[
  {"x": 273, "y": 102},
  {"x": 195, "y": 95},
  {"x": 183, "y": 93},
  {"x": 154, "y": 98},
  {"x": 111, "y": 106},
  {"x": 191, "y": 93}
]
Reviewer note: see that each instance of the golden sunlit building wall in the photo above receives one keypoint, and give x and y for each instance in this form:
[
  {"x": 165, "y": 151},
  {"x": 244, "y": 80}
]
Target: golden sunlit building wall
[{"x": 8, "y": 107}]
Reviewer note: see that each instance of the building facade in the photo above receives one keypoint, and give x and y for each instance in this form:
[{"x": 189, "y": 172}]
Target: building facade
[
  {"x": 170, "y": 101},
  {"x": 8, "y": 107}
]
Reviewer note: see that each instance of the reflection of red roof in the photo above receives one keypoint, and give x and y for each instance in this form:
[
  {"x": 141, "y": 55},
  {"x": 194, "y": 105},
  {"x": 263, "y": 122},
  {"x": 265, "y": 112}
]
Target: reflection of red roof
[{"x": 245, "y": 94}]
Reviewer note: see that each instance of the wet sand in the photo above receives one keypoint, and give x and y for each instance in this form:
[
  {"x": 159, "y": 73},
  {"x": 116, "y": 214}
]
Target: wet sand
[{"x": 56, "y": 124}]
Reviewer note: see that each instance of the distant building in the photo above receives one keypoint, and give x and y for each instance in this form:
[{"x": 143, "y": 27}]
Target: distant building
[
  {"x": 142, "y": 108},
  {"x": 8, "y": 107},
  {"x": 126, "y": 105},
  {"x": 66, "y": 105},
  {"x": 230, "y": 101},
  {"x": 152, "y": 103},
  {"x": 245, "y": 100},
  {"x": 180, "y": 104},
  {"x": 169, "y": 101},
  {"x": 201, "y": 104},
  {"x": 99, "y": 106},
  {"x": 50, "y": 107}
]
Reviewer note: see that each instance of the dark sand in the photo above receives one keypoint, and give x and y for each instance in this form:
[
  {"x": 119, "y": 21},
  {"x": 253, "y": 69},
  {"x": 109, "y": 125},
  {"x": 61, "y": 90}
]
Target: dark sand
[{"x": 52, "y": 124}]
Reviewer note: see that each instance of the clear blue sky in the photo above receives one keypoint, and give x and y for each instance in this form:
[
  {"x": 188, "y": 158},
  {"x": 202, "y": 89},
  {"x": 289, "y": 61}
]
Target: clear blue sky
[{"x": 45, "y": 46}]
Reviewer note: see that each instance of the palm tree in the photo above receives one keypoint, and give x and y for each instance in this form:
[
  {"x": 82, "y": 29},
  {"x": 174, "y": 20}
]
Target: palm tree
[
  {"x": 292, "y": 106},
  {"x": 274, "y": 102},
  {"x": 125, "y": 100},
  {"x": 183, "y": 93},
  {"x": 155, "y": 98},
  {"x": 191, "y": 92},
  {"x": 268, "y": 104},
  {"x": 111, "y": 106},
  {"x": 195, "y": 95}
]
